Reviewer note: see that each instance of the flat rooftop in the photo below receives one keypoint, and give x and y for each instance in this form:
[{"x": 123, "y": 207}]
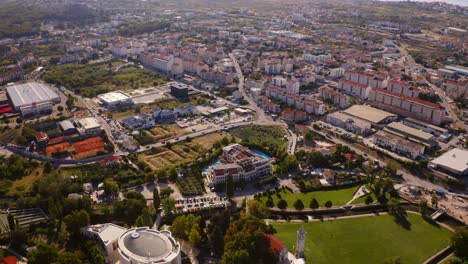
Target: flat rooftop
[
  {"x": 400, "y": 127},
  {"x": 368, "y": 113},
  {"x": 454, "y": 159},
  {"x": 424, "y": 124},
  {"x": 31, "y": 93},
  {"x": 113, "y": 97},
  {"x": 89, "y": 123}
]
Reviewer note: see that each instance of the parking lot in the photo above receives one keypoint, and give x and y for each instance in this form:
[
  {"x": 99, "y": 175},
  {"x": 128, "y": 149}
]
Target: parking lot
[{"x": 197, "y": 203}]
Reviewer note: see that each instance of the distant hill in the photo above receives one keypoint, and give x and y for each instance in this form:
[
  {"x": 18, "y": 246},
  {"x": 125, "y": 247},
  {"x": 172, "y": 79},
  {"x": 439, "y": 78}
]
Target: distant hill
[{"x": 20, "y": 20}]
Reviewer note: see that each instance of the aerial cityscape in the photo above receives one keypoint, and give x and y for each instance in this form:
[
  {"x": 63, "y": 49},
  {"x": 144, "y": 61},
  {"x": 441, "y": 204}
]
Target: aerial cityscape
[{"x": 233, "y": 132}]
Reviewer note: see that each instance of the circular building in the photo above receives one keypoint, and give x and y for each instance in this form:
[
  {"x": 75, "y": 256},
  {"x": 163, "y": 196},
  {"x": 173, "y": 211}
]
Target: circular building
[{"x": 148, "y": 246}]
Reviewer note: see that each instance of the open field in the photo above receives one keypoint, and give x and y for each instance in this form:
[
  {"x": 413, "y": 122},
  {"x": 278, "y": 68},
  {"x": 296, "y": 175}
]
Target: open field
[
  {"x": 92, "y": 79},
  {"x": 367, "y": 239},
  {"x": 337, "y": 197},
  {"x": 268, "y": 136},
  {"x": 163, "y": 158},
  {"x": 165, "y": 131},
  {"x": 23, "y": 186}
]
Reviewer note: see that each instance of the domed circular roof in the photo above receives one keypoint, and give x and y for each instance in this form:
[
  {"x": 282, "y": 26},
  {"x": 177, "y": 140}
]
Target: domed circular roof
[{"x": 146, "y": 244}]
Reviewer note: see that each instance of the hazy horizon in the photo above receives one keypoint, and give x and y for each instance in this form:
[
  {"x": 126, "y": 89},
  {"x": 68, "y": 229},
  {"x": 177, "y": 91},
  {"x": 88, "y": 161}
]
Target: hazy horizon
[{"x": 455, "y": 2}]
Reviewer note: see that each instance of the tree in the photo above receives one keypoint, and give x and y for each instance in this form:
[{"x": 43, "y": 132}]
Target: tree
[
  {"x": 216, "y": 241},
  {"x": 156, "y": 199},
  {"x": 194, "y": 236},
  {"x": 314, "y": 204},
  {"x": 11, "y": 222},
  {"x": 369, "y": 199},
  {"x": 65, "y": 257},
  {"x": 182, "y": 226},
  {"x": 47, "y": 167},
  {"x": 424, "y": 208},
  {"x": 110, "y": 187},
  {"x": 269, "y": 202},
  {"x": 18, "y": 236},
  {"x": 435, "y": 200},
  {"x": 168, "y": 205},
  {"x": 246, "y": 242},
  {"x": 282, "y": 204},
  {"x": 60, "y": 108},
  {"x": 44, "y": 253},
  {"x": 394, "y": 206},
  {"x": 76, "y": 221},
  {"x": 229, "y": 186},
  {"x": 144, "y": 219},
  {"x": 299, "y": 205},
  {"x": 328, "y": 204},
  {"x": 460, "y": 242},
  {"x": 257, "y": 209}
]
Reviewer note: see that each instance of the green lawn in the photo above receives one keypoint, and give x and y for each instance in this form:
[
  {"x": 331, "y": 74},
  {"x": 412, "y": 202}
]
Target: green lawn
[
  {"x": 367, "y": 239},
  {"x": 337, "y": 197}
]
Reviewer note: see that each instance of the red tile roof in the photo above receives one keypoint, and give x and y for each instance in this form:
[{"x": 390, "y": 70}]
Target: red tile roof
[
  {"x": 10, "y": 260},
  {"x": 275, "y": 243}
]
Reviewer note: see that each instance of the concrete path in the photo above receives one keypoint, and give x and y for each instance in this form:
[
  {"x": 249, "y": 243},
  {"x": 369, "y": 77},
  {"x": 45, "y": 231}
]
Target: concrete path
[
  {"x": 190, "y": 251},
  {"x": 362, "y": 191}
]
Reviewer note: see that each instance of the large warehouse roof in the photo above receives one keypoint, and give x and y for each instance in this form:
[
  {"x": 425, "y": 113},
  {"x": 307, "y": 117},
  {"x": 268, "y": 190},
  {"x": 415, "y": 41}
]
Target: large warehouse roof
[
  {"x": 30, "y": 93},
  {"x": 368, "y": 113},
  {"x": 113, "y": 97},
  {"x": 455, "y": 160},
  {"x": 398, "y": 126}
]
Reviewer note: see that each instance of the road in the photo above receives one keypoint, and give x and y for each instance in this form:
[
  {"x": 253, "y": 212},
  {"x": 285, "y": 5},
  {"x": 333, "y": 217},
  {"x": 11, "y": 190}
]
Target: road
[
  {"x": 260, "y": 114},
  {"x": 407, "y": 177}
]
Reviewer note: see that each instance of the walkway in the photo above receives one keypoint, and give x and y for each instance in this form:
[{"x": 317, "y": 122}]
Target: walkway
[
  {"x": 190, "y": 251},
  {"x": 362, "y": 191}
]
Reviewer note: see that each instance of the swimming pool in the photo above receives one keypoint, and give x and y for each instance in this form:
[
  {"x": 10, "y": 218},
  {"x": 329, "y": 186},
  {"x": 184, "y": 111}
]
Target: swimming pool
[
  {"x": 206, "y": 169},
  {"x": 261, "y": 154}
]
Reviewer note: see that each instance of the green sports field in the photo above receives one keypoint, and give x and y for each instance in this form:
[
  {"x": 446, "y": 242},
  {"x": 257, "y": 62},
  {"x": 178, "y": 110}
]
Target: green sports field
[
  {"x": 337, "y": 197},
  {"x": 370, "y": 239}
]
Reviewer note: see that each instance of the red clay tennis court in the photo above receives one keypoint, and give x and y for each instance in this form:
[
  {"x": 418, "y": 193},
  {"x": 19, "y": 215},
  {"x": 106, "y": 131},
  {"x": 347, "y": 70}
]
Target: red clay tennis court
[{"x": 84, "y": 148}]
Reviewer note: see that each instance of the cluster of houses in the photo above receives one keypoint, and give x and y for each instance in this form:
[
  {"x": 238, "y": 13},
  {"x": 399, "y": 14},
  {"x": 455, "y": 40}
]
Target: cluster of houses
[{"x": 161, "y": 116}]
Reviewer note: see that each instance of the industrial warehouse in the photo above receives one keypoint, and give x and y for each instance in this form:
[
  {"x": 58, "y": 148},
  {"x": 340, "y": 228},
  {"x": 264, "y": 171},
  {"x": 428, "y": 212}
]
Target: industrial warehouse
[{"x": 32, "y": 98}]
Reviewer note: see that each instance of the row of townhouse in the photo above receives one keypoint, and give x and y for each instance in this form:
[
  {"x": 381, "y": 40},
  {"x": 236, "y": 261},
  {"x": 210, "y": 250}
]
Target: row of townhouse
[
  {"x": 339, "y": 99},
  {"x": 366, "y": 78},
  {"x": 407, "y": 106},
  {"x": 359, "y": 83},
  {"x": 403, "y": 88},
  {"x": 301, "y": 102}
]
